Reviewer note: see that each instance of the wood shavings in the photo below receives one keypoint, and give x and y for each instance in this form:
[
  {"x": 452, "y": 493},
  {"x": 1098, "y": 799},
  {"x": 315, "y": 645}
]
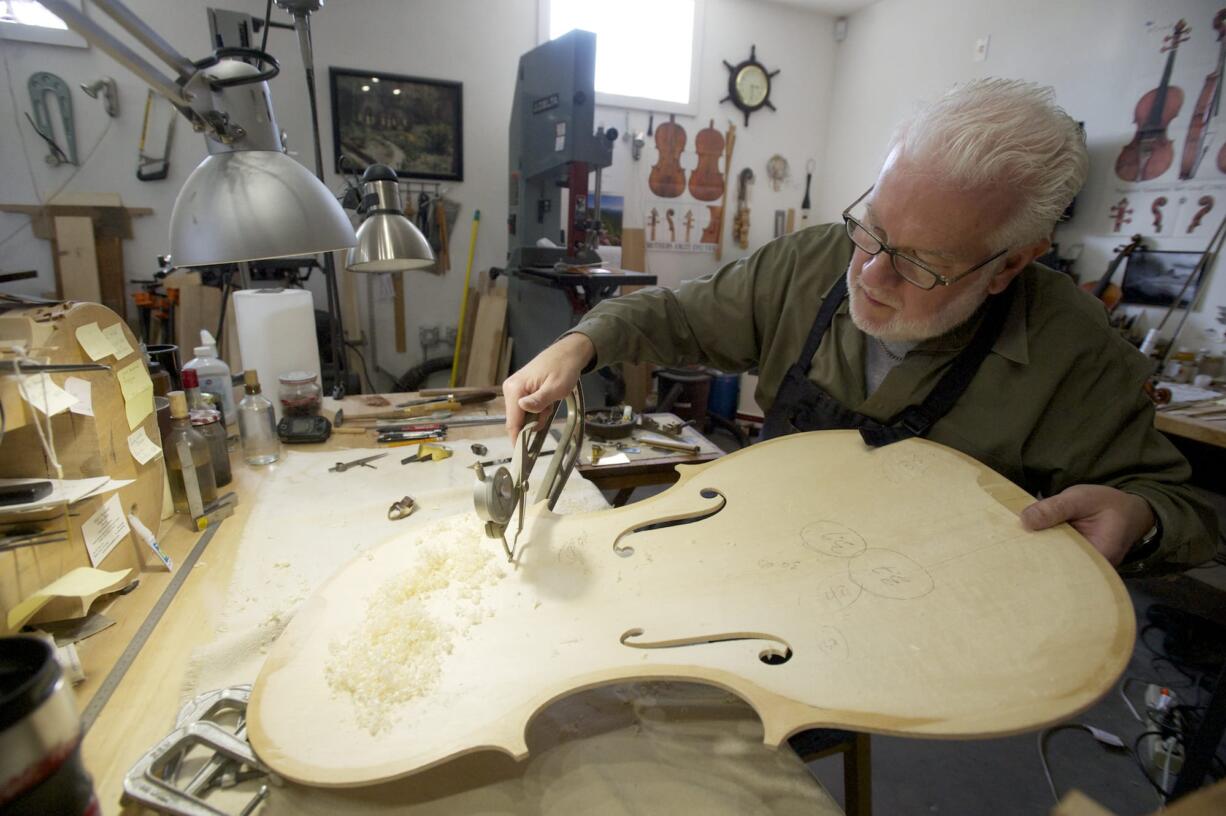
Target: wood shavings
[{"x": 396, "y": 654}]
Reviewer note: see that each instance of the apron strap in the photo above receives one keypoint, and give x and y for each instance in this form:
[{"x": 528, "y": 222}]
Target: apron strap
[
  {"x": 825, "y": 316},
  {"x": 917, "y": 420}
]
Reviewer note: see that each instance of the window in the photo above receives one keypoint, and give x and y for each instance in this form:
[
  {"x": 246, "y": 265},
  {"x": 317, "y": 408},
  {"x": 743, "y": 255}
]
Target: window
[
  {"x": 27, "y": 20},
  {"x": 647, "y": 51}
]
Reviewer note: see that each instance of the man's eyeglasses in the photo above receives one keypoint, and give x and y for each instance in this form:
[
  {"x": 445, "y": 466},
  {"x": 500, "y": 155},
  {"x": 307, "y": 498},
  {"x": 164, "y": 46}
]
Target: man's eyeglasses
[{"x": 910, "y": 269}]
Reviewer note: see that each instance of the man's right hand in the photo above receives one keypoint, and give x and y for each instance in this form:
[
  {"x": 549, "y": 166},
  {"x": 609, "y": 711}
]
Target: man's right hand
[{"x": 547, "y": 378}]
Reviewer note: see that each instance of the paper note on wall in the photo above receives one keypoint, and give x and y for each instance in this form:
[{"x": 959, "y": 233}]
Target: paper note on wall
[
  {"x": 81, "y": 390},
  {"x": 143, "y": 448},
  {"x": 104, "y": 530},
  {"x": 41, "y": 391},
  {"x": 94, "y": 342},
  {"x": 137, "y": 391},
  {"x": 118, "y": 341}
]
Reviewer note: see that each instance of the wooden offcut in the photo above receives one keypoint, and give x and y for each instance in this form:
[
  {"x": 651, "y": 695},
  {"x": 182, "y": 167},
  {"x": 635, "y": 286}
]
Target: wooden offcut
[
  {"x": 828, "y": 584},
  {"x": 76, "y": 258},
  {"x": 487, "y": 337}
]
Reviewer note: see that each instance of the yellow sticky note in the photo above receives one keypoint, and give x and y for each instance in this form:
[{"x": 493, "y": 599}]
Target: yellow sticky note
[
  {"x": 139, "y": 406},
  {"x": 137, "y": 391},
  {"x": 94, "y": 342},
  {"x": 118, "y": 341},
  {"x": 143, "y": 448},
  {"x": 83, "y": 583}
]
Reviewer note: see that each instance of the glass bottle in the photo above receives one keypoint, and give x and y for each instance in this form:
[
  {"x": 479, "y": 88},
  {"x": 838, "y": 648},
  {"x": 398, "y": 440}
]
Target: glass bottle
[
  {"x": 256, "y": 424},
  {"x": 189, "y": 466},
  {"x": 207, "y": 423}
]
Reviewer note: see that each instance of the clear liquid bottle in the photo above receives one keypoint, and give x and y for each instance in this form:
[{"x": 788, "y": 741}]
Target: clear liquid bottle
[
  {"x": 189, "y": 466},
  {"x": 257, "y": 425}
]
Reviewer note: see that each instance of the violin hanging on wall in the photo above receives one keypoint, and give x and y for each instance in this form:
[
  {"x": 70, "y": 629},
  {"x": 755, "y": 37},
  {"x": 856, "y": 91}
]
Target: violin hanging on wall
[
  {"x": 1207, "y": 106},
  {"x": 706, "y": 182},
  {"x": 1103, "y": 289},
  {"x": 667, "y": 179},
  {"x": 1150, "y": 152}
]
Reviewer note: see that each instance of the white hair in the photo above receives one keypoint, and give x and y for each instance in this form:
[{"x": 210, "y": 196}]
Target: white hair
[{"x": 990, "y": 132}]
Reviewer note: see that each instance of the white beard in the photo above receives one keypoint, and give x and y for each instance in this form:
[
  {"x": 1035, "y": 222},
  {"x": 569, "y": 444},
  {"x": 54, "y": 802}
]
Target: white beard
[{"x": 899, "y": 330}]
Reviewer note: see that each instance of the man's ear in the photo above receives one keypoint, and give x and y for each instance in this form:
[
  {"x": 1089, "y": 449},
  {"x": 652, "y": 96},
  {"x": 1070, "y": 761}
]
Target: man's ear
[{"x": 1015, "y": 262}]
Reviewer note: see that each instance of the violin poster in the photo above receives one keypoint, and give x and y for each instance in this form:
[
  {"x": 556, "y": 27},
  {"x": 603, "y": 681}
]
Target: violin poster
[
  {"x": 682, "y": 226},
  {"x": 1168, "y": 175}
]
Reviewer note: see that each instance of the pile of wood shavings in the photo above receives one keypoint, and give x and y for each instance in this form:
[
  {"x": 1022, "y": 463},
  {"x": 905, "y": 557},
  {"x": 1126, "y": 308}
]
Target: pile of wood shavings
[{"x": 396, "y": 654}]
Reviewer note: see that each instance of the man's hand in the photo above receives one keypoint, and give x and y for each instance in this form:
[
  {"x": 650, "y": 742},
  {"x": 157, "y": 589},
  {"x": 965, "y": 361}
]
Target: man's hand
[
  {"x": 1110, "y": 519},
  {"x": 549, "y": 377}
]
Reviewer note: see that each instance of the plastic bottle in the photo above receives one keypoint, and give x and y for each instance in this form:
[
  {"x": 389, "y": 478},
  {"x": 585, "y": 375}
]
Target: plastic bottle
[
  {"x": 257, "y": 424},
  {"x": 215, "y": 379}
]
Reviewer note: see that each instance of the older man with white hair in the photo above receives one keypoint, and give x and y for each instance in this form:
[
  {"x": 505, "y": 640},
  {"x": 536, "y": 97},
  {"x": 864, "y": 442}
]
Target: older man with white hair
[{"x": 923, "y": 314}]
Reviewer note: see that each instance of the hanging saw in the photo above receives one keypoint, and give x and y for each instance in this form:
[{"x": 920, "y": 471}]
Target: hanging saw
[
  {"x": 154, "y": 168},
  {"x": 498, "y": 496}
]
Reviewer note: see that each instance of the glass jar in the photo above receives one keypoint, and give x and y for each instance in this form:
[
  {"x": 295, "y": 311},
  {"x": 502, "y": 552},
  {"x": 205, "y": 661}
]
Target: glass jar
[
  {"x": 299, "y": 393},
  {"x": 207, "y": 423}
]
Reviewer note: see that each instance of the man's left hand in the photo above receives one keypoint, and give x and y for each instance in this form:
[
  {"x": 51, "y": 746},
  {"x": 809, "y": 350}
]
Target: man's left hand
[{"x": 1110, "y": 519}]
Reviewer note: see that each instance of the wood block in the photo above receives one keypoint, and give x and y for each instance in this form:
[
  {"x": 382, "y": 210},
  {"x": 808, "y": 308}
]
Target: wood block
[
  {"x": 77, "y": 259},
  {"x": 487, "y": 339},
  {"x": 634, "y": 250},
  {"x": 888, "y": 591},
  {"x": 111, "y": 280}
]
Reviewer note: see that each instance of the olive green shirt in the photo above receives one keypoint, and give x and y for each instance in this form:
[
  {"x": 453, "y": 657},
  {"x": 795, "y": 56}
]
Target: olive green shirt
[{"x": 1057, "y": 402}]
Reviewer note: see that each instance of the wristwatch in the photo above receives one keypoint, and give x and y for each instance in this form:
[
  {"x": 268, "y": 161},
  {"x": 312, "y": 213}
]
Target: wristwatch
[{"x": 1147, "y": 545}]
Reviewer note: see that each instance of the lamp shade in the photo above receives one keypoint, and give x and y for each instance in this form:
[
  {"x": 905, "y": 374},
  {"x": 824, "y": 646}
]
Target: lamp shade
[
  {"x": 249, "y": 205},
  {"x": 386, "y": 240},
  {"x": 389, "y": 243}
]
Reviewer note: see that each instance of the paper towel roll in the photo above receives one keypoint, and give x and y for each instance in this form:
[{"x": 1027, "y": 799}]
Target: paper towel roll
[
  {"x": 611, "y": 256},
  {"x": 276, "y": 334}
]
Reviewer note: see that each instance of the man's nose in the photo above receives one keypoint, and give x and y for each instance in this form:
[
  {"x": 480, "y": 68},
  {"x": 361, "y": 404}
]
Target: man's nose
[{"x": 877, "y": 272}]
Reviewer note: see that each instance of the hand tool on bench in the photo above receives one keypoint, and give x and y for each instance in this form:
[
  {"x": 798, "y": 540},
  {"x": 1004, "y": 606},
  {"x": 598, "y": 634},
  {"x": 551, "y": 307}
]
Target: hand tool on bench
[
  {"x": 497, "y": 496},
  {"x": 341, "y": 467}
]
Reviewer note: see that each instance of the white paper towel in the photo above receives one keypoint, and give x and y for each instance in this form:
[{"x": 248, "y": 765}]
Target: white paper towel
[{"x": 276, "y": 334}]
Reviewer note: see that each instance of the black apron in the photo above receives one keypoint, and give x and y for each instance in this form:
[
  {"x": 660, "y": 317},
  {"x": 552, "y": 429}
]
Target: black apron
[{"x": 802, "y": 405}]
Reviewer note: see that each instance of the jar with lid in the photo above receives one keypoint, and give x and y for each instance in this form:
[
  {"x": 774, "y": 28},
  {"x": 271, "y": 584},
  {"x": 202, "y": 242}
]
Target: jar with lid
[
  {"x": 299, "y": 393},
  {"x": 207, "y": 422}
]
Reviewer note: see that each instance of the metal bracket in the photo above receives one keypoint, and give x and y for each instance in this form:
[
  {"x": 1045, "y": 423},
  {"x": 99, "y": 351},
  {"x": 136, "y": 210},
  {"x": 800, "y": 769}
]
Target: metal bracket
[
  {"x": 42, "y": 83},
  {"x": 151, "y": 781}
]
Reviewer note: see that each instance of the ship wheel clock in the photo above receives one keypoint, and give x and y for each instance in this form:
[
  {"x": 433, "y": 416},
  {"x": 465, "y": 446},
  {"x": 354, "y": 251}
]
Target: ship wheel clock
[{"x": 749, "y": 84}]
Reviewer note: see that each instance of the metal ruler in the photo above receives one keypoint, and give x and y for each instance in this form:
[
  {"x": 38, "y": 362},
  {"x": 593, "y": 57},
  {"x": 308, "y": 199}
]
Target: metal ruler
[{"x": 112, "y": 681}]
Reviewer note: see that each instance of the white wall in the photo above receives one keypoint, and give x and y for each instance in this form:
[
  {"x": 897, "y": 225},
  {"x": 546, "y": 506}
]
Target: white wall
[
  {"x": 477, "y": 42},
  {"x": 801, "y": 45},
  {"x": 1093, "y": 52}
]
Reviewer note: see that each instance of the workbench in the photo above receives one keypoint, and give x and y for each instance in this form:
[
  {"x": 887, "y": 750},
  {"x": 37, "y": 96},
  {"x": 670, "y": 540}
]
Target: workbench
[{"x": 686, "y": 747}]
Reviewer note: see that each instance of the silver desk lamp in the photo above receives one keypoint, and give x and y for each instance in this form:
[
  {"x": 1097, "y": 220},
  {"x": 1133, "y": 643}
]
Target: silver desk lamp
[
  {"x": 247, "y": 200},
  {"x": 387, "y": 241}
]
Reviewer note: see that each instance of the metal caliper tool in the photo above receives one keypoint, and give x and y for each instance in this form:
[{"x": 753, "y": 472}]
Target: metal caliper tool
[{"x": 498, "y": 496}]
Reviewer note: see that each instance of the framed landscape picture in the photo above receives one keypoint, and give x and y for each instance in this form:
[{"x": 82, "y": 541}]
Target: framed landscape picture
[
  {"x": 1157, "y": 277},
  {"x": 411, "y": 124}
]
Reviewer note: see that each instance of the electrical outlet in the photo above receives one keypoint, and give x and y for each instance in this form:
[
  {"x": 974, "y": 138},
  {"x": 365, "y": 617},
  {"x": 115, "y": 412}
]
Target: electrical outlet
[{"x": 981, "y": 48}]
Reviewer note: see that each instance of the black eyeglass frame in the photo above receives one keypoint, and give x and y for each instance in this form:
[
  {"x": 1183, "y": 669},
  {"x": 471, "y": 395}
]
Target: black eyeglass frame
[{"x": 850, "y": 224}]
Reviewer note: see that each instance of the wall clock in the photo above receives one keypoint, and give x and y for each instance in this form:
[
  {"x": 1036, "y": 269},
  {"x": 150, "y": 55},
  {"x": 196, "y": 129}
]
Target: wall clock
[{"x": 749, "y": 84}]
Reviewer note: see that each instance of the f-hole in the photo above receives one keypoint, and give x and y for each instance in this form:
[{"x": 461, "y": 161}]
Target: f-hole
[
  {"x": 625, "y": 550},
  {"x": 776, "y": 653}
]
